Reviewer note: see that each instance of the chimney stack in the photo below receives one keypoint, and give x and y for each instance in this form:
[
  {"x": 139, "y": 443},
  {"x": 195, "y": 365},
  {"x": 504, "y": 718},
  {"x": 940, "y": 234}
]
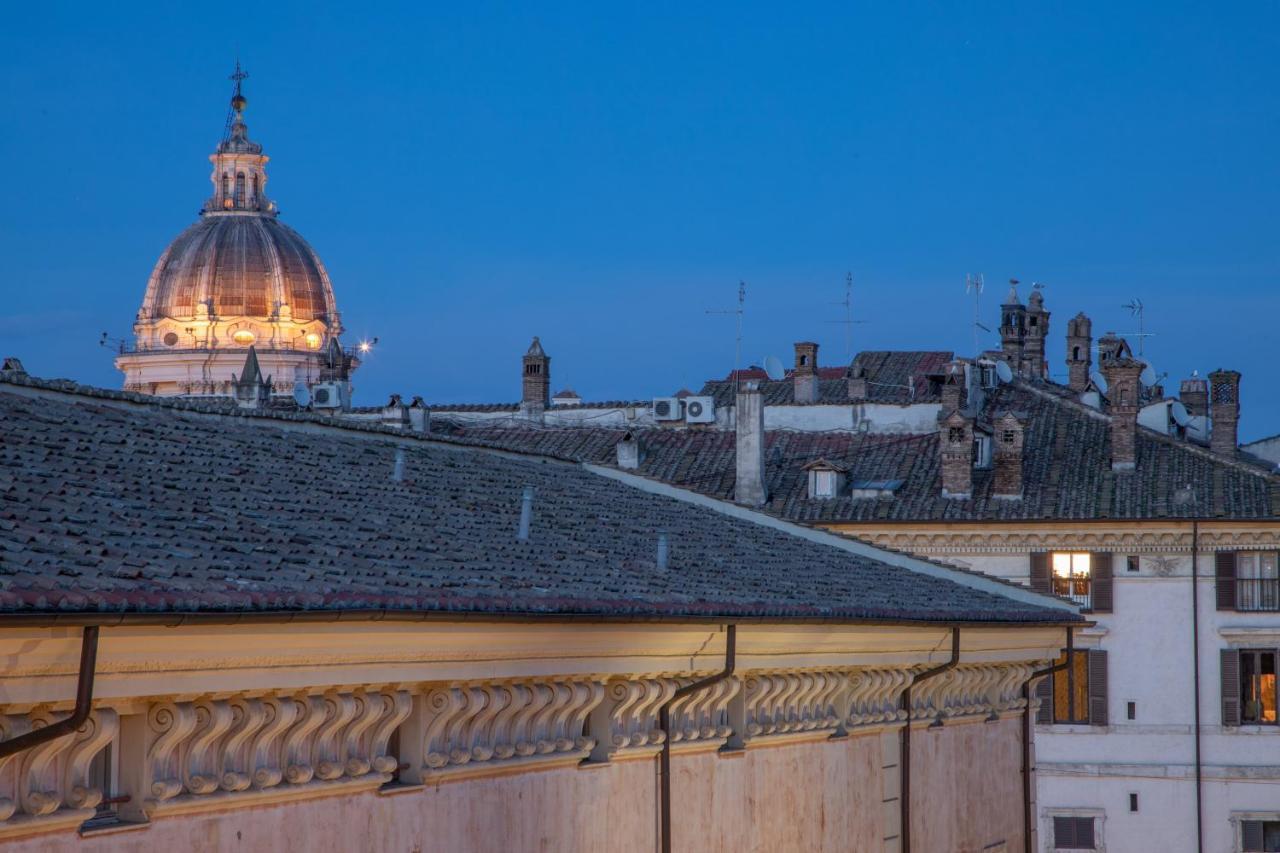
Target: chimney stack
[
  {"x": 630, "y": 452},
  {"x": 1013, "y": 327},
  {"x": 749, "y": 446},
  {"x": 1009, "y": 435},
  {"x": 1123, "y": 386},
  {"x": 1194, "y": 394},
  {"x": 955, "y": 442},
  {"x": 1079, "y": 352},
  {"x": 1036, "y": 332},
  {"x": 805, "y": 377},
  {"x": 953, "y": 388},
  {"x": 536, "y": 383},
  {"x": 857, "y": 380},
  {"x": 1224, "y": 410},
  {"x": 419, "y": 416}
]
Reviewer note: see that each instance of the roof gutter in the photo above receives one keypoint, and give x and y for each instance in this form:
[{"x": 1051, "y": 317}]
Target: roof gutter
[
  {"x": 84, "y": 702},
  {"x": 904, "y": 771},
  {"x": 664, "y": 722}
]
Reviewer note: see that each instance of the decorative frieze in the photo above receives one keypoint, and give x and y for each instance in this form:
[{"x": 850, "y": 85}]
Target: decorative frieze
[
  {"x": 1134, "y": 540},
  {"x": 51, "y": 783},
  {"x": 627, "y": 718},
  {"x": 778, "y": 704}
]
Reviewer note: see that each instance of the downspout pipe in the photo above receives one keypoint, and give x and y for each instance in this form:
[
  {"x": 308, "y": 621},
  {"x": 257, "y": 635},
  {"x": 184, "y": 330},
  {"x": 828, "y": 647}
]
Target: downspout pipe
[
  {"x": 1028, "y": 819},
  {"x": 904, "y": 771},
  {"x": 84, "y": 702},
  {"x": 1195, "y": 664},
  {"x": 664, "y": 722}
]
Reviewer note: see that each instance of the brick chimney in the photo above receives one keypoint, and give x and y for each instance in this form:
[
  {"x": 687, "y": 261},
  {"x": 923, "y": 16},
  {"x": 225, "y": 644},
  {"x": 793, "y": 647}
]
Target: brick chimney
[
  {"x": 630, "y": 452},
  {"x": 1037, "y": 331},
  {"x": 1123, "y": 387},
  {"x": 749, "y": 446},
  {"x": 955, "y": 443},
  {"x": 1224, "y": 410},
  {"x": 1009, "y": 434},
  {"x": 1194, "y": 394},
  {"x": 1079, "y": 352},
  {"x": 1013, "y": 327},
  {"x": 953, "y": 388},
  {"x": 536, "y": 385},
  {"x": 805, "y": 377}
]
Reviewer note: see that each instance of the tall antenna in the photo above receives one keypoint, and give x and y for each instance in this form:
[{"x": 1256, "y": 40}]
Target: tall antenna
[
  {"x": 973, "y": 284},
  {"x": 848, "y": 322},
  {"x": 737, "y": 352},
  {"x": 1137, "y": 309}
]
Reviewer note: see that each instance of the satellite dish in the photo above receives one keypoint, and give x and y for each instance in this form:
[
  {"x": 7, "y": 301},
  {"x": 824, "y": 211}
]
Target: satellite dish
[
  {"x": 1098, "y": 381},
  {"x": 773, "y": 368},
  {"x": 1181, "y": 416},
  {"x": 1003, "y": 372},
  {"x": 1148, "y": 376},
  {"x": 301, "y": 395}
]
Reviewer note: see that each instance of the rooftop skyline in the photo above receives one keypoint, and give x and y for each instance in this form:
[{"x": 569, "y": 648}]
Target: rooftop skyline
[{"x": 603, "y": 179}]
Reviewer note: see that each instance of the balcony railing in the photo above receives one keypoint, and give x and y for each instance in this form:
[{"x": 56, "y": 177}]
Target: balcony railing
[
  {"x": 1075, "y": 588},
  {"x": 1255, "y": 594}
]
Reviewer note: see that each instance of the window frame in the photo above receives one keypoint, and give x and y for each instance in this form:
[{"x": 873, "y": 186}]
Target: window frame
[
  {"x": 1097, "y": 817},
  {"x": 1257, "y": 654}
]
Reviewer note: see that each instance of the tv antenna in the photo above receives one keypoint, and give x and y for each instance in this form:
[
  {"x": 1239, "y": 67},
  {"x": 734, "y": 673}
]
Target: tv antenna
[
  {"x": 848, "y": 322},
  {"x": 1137, "y": 309},
  {"x": 737, "y": 312},
  {"x": 973, "y": 284}
]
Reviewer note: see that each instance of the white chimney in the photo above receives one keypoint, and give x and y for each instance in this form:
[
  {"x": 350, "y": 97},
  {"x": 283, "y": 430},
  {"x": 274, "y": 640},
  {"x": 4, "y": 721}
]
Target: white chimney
[
  {"x": 749, "y": 447},
  {"x": 630, "y": 452}
]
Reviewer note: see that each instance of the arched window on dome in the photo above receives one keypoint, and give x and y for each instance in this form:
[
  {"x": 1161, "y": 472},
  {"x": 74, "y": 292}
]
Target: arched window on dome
[
  {"x": 253, "y": 199},
  {"x": 239, "y": 189},
  {"x": 226, "y": 185}
]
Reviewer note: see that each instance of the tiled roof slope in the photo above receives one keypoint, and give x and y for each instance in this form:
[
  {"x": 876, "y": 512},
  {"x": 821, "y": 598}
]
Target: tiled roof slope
[
  {"x": 1066, "y": 473},
  {"x": 108, "y": 505},
  {"x": 892, "y": 377}
]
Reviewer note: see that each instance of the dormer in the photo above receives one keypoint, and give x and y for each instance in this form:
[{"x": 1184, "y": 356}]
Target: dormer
[{"x": 826, "y": 479}]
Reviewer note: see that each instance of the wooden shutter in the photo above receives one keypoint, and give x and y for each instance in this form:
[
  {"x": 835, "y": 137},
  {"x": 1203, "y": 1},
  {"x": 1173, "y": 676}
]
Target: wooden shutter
[
  {"x": 1225, "y": 570},
  {"x": 1097, "y": 687},
  {"x": 1084, "y": 833},
  {"x": 1251, "y": 836},
  {"x": 1230, "y": 687},
  {"x": 1044, "y": 692},
  {"x": 1064, "y": 833},
  {"x": 1040, "y": 572},
  {"x": 1102, "y": 573}
]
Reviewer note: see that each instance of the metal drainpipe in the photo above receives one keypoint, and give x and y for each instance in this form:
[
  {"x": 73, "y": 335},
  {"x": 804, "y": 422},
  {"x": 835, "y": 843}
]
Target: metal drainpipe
[
  {"x": 1195, "y": 664},
  {"x": 904, "y": 769},
  {"x": 1028, "y": 819},
  {"x": 664, "y": 722},
  {"x": 84, "y": 702}
]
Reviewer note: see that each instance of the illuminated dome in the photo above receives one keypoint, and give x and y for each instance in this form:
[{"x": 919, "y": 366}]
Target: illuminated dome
[{"x": 237, "y": 278}]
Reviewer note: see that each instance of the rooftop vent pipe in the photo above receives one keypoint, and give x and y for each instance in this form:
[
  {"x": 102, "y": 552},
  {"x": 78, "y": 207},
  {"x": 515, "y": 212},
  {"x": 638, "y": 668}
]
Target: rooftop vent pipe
[
  {"x": 663, "y": 551},
  {"x": 526, "y": 513}
]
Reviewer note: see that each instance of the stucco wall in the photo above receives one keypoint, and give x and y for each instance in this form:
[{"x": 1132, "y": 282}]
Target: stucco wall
[{"x": 817, "y": 796}]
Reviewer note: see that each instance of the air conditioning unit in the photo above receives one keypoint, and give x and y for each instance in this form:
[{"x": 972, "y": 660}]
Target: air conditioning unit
[
  {"x": 668, "y": 409},
  {"x": 700, "y": 410},
  {"x": 328, "y": 395}
]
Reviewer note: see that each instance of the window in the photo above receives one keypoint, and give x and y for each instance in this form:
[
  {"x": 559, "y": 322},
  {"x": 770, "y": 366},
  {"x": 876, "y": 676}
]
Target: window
[
  {"x": 1259, "y": 836},
  {"x": 982, "y": 452},
  {"x": 1131, "y": 563},
  {"x": 1075, "y": 353},
  {"x": 1071, "y": 832},
  {"x": 1131, "y": 710},
  {"x": 1258, "y": 687},
  {"x": 1257, "y": 581},
  {"x": 823, "y": 483},
  {"x": 955, "y": 435},
  {"x": 1076, "y": 695},
  {"x": 1133, "y": 802},
  {"x": 1071, "y": 574},
  {"x": 239, "y": 189}
]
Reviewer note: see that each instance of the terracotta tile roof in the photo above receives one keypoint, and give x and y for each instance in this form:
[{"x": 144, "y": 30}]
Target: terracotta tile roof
[
  {"x": 115, "y": 502},
  {"x": 1066, "y": 474},
  {"x": 892, "y": 377}
]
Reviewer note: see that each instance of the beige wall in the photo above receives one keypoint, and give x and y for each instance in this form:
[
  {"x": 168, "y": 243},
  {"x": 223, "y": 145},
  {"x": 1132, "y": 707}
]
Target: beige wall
[{"x": 816, "y": 796}]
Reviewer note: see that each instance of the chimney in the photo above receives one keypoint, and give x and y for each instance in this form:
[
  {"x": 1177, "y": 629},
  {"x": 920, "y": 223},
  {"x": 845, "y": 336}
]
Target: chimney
[
  {"x": 536, "y": 383},
  {"x": 419, "y": 416},
  {"x": 1194, "y": 394},
  {"x": 857, "y": 379},
  {"x": 1079, "y": 352},
  {"x": 1013, "y": 327},
  {"x": 805, "y": 376},
  {"x": 1224, "y": 410},
  {"x": 630, "y": 452},
  {"x": 1121, "y": 373},
  {"x": 955, "y": 443},
  {"x": 395, "y": 413},
  {"x": 749, "y": 446},
  {"x": 1009, "y": 434},
  {"x": 1037, "y": 331},
  {"x": 953, "y": 388}
]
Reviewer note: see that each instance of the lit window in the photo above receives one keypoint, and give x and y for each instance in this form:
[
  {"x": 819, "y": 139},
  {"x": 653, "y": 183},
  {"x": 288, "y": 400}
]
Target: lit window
[
  {"x": 1258, "y": 686},
  {"x": 243, "y": 337},
  {"x": 313, "y": 341},
  {"x": 1071, "y": 576}
]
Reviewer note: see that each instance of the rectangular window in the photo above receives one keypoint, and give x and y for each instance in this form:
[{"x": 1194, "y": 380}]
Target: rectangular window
[
  {"x": 1071, "y": 576},
  {"x": 1257, "y": 580},
  {"x": 1073, "y": 833},
  {"x": 824, "y": 484},
  {"x": 1259, "y": 836},
  {"x": 1131, "y": 563},
  {"x": 1258, "y": 687},
  {"x": 1133, "y": 802},
  {"x": 1071, "y": 690}
]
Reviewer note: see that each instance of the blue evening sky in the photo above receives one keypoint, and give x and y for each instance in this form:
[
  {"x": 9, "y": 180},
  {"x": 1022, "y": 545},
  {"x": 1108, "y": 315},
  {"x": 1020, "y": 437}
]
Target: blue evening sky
[{"x": 602, "y": 174}]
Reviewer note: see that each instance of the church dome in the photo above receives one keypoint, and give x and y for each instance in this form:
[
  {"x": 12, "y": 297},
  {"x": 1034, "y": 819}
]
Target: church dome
[{"x": 240, "y": 265}]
